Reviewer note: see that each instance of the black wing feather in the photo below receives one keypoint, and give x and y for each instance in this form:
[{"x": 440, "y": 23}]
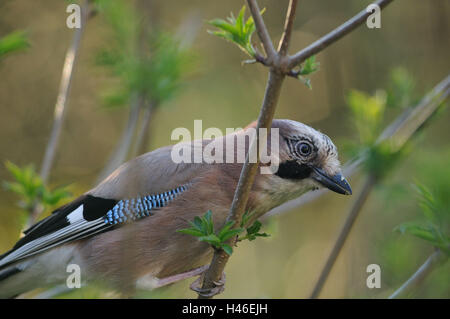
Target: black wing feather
[{"x": 93, "y": 208}]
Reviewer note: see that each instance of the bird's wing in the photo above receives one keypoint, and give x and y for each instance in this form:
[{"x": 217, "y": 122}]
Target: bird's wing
[
  {"x": 85, "y": 216},
  {"x": 133, "y": 191}
]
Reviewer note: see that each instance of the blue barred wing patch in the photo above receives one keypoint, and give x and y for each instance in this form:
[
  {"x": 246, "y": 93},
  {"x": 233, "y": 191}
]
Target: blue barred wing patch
[{"x": 136, "y": 208}]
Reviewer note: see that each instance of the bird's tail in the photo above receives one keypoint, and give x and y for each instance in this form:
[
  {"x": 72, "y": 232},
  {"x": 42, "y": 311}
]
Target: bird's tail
[
  {"x": 15, "y": 279},
  {"x": 37, "y": 271}
]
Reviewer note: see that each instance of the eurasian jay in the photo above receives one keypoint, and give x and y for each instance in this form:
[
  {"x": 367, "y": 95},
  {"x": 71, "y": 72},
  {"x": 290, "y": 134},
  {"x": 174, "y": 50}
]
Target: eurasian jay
[{"x": 126, "y": 227}]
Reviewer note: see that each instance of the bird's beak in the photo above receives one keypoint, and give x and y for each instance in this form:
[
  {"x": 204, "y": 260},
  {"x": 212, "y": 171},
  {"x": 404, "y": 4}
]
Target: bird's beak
[{"x": 336, "y": 183}]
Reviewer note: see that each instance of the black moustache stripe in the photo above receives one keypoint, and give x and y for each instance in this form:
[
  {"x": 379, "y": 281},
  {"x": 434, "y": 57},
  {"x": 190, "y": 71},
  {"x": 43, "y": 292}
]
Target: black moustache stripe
[{"x": 293, "y": 170}]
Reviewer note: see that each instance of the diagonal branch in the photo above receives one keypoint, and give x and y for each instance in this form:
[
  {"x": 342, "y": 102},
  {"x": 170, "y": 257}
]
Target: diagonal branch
[
  {"x": 334, "y": 35},
  {"x": 261, "y": 29},
  {"x": 249, "y": 170},
  {"x": 343, "y": 235},
  {"x": 398, "y": 142},
  {"x": 64, "y": 89},
  {"x": 248, "y": 173},
  {"x": 286, "y": 37},
  {"x": 60, "y": 107},
  {"x": 434, "y": 261},
  {"x": 121, "y": 151}
]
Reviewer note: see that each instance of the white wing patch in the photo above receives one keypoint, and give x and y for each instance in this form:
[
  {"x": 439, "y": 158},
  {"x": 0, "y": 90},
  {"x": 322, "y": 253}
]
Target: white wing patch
[{"x": 76, "y": 215}]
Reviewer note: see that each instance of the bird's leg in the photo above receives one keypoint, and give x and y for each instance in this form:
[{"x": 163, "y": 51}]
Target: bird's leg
[
  {"x": 218, "y": 289},
  {"x": 150, "y": 282}
]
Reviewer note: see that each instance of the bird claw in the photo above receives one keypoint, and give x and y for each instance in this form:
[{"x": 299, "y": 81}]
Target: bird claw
[{"x": 205, "y": 292}]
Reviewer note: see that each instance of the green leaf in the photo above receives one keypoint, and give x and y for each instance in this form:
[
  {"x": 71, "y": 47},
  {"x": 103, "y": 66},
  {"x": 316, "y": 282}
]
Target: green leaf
[
  {"x": 53, "y": 197},
  {"x": 198, "y": 223},
  {"x": 228, "y": 249},
  {"x": 154, "y": 67},
  {"x": 223, "y": 25},
  {"x": 309, "y": 66},
  {"x": 230, "y": 233},
  {"x": 255, "y": 227},
  {"x": 237, "y": 30},
  {"x": 203, "y": 229},
  {"x": 208, "y": 222},
  {"x": 226, "y": 228},
  {"x": 211, "y": 239},
  {"x": 13, "y": 42},
  {"x": 427, "y": 202},
  {"x": 253, "y": 236},
  {"x": 435, "y": 229},
  {"x": 400, "y": 93},
  {"x": 30, "y": 188},
  {"x": 367, "y": 114},
  {"x": 416, "y": 230},
  {"x": 253, "y": 232},
  {"x": 190, "y": 231},
  {"x": 201, "y": 226}
]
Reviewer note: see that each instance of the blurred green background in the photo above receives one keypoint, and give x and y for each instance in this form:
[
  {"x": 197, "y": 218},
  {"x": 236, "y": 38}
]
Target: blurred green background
[{"x": 223, "y": 93}]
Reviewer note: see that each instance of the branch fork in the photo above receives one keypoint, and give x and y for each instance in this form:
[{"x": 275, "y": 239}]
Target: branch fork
[{"x": 280, "y": 65}]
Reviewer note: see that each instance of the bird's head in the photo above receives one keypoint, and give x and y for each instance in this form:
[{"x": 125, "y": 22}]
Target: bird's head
[{"x": 308, "y": 160}]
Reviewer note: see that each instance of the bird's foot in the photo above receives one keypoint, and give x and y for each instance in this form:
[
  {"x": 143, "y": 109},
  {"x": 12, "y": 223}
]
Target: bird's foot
[{"x": 219, "y": 286}]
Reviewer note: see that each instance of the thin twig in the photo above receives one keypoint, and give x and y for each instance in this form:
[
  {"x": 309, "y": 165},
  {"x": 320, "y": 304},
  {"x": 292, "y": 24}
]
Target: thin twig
[
  {"x": 343, "y": 235},
  {"x": 64, "y": 90},
  {"x": 433, "y": 262},
  {"x": 419, "y": 114},
  {"x": 123, "y": 147},
  {"x": 334, "y": 35},
  {"x": 286, "y": 37},
  {"x": 262, "y": 30},
  {"x": 142, "y": 137},
  {"x": 60, "y": 108}
]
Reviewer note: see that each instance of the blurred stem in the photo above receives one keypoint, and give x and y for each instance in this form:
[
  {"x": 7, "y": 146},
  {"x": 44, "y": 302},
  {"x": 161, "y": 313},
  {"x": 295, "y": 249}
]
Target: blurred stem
[
  {"x": 142, "y": 138},
  {"x": 286, "y": 37},
  {"x": 123, "y": 147},
  {"x": 334, "y": 35},
  {"x": 369, "y": 183},
  {"x": 60, "y": 108},
  {"x": 64, "y": 90},
  {"x": 397, "y": 134},
  {"x": 122, "y": 152},
  {"x": 415, "y": 281},
  {"x": 33, "y": 214}
]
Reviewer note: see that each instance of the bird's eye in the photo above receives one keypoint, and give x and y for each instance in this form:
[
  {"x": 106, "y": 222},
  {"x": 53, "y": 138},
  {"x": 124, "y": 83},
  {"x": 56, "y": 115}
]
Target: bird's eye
[{"x": 304, "y": 149}]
